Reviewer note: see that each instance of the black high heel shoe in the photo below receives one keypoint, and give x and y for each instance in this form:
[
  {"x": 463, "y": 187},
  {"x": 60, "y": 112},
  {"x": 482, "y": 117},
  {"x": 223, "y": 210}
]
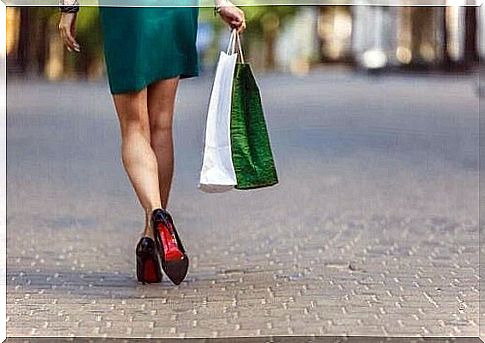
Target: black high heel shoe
[
  {"x": 147, "y": 261},
  {"x": 175, "y": 261}
]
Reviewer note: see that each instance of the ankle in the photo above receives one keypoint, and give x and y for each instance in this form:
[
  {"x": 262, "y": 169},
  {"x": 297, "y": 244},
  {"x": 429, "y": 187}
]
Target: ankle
[
  {"x": 148, "y": 232},
  {"x": 149, "y": 210},
  {"x": 148, "y": 215}
]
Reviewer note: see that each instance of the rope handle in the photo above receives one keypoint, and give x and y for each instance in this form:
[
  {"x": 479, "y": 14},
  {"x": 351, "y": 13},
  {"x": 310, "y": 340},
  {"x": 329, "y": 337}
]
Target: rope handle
[
  {"x": 231, "y": 48},
  {"x": 239, "y": 46}
]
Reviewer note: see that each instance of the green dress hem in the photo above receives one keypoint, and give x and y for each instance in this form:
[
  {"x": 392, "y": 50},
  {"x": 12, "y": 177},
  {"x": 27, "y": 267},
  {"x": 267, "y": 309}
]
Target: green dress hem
[{"x": 141, "y": 86}]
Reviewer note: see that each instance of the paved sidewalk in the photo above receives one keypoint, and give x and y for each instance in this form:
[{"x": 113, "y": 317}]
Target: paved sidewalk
[
  {"x": 371, "y": 231},
  {"x": 254, "y": 339}
]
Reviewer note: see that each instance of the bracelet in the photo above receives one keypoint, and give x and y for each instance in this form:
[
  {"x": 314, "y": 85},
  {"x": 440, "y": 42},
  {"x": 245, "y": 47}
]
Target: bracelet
[{"x": 69, "y": 9}]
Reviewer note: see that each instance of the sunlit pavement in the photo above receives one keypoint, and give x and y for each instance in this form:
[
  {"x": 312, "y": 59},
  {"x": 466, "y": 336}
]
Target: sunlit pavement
[{"x": 372, "y": 230}]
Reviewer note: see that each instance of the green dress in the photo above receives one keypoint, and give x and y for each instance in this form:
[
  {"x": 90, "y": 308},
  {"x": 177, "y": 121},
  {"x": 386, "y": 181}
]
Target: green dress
[{"x": 146, "y": 44}]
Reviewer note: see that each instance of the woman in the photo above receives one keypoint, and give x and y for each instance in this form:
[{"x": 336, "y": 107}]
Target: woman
[{"x": 147, "y": 51}]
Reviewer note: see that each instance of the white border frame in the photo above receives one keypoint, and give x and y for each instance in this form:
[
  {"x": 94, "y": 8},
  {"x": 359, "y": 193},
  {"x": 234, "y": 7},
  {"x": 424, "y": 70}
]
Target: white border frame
[{"x": 3, "y": 170}]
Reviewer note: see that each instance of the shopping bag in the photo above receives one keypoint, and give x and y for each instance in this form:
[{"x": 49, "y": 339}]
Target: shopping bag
[
  {"x": 217, "y": 174},
  {"x": 252, "y": 157},
  {"x": 237, "y": 151}
]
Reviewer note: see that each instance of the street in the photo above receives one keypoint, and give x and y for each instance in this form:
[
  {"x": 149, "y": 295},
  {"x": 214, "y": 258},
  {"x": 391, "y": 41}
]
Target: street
[{"x": 372, "y": 229}]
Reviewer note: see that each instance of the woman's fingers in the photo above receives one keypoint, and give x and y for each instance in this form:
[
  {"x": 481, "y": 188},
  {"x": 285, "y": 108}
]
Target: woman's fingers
[
  {"x": 66, "y": 44},
  {"x": 242, "y": 27},
  {"x": 67, "y": 31},
  {"x": 69, "y": 41},
  {"x": 65, "y": 40},
  {"x": 72, "y": 41},
  {"x": 239, "y": 25},
  {"x": 241, "y": 21}
]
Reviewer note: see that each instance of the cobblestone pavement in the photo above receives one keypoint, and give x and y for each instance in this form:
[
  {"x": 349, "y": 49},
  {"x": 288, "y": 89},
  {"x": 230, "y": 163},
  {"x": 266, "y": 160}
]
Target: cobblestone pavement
[
  {"x": 372, "y": 230},
  {"x": 251, "y": 339}
]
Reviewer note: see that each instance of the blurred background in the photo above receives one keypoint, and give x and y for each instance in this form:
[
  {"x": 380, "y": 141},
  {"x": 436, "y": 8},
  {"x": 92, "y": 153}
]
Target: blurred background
[{"x": 279, "y": 38}]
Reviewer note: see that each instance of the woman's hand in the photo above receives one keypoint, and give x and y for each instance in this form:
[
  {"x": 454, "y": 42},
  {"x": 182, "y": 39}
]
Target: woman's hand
[
  {"x": 67, "y": 29},
  {"x": 232, "y": 15}
]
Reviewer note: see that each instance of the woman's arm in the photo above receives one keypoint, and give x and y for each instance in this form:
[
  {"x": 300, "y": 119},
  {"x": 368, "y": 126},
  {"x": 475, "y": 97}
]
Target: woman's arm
[
  {"x": 232, "y": 15},
  {"x": 67, "y": 23}
]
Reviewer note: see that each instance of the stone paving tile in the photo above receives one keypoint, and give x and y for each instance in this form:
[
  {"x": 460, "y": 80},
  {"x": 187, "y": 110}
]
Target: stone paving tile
[
  {"x": 361, "y": 242},
  {"x": 292, "y": 304}
]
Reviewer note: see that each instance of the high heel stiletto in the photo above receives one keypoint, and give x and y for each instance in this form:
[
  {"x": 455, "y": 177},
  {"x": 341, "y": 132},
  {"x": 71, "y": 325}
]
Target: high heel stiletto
[
  {"x": 175, "y": 261},
  {"x": 147, "y": 262}
]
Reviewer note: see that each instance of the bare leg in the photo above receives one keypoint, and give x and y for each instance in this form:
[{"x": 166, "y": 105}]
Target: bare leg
[
  {"x": 161, "y": 100},
  {"x": 138, "y": 157}
]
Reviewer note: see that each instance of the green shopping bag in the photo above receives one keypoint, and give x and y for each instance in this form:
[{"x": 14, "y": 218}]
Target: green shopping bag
[{"x": 250, "y": 146}]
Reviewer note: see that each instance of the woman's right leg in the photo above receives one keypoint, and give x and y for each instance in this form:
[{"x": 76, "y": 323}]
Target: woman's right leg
[{"x": 138, "y": 157}]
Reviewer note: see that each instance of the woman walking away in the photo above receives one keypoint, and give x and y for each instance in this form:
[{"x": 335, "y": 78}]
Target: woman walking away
[{"x": 147, "y": 51}]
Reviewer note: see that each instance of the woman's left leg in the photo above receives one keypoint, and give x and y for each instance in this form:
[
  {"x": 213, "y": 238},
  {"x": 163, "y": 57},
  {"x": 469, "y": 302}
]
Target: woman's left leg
[{"x": 161, "y": 102}]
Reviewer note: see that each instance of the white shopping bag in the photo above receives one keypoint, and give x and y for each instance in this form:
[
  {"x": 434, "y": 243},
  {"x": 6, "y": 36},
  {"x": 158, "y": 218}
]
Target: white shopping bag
[{"x": 217, "y": 174}]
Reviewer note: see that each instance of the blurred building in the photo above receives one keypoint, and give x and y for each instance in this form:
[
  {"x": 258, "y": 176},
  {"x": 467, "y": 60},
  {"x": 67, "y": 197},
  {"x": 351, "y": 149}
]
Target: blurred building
[
  {"x": 298, "y": 42},
  {"x": 363, "y": 36},
  {"x": 410, "y": 37},
  {"x": 386, "y": 37}
]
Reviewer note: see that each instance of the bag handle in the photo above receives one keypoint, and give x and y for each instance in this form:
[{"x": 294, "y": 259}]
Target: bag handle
[
  {"x": 238, "y": 38},
  {"x": 231, "y": 48},
  {"x": 232, "y": 41}
]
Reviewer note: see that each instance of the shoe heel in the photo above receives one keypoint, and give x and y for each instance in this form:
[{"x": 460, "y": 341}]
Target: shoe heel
[
  {"x": 175, "y": 262},
  {"x": 147, "y": 262}
]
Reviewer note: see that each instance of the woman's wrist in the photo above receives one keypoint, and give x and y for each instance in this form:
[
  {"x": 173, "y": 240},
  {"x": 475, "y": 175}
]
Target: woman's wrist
[
  {"x": 69, "y": 6},
  {"x": 221, "y": 3}
]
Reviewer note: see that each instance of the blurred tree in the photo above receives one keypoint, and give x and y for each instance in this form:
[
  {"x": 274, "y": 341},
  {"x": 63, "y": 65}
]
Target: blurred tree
[
  {"x": 31, "y": 52},
  {"x": 263, "y": 24},
  {"x": 38, "y": 34},
  {"x": 471, "y": 47}
]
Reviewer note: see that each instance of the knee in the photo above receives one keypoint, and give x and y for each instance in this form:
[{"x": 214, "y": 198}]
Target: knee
[
  {"x": 133, "y": 124},
  {"x": 160, "y": 131}
]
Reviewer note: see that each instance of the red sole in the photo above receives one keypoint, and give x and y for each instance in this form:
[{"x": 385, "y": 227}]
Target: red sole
[
  {"x": 170, "y": 248},
  {"x": 149, "y": 272}
]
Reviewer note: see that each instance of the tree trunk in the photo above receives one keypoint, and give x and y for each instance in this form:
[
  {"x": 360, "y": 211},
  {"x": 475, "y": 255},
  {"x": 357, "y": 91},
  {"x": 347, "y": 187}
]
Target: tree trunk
[
  {"x": 471, "y": 53},
  {"x": 24, "y": 40}
]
